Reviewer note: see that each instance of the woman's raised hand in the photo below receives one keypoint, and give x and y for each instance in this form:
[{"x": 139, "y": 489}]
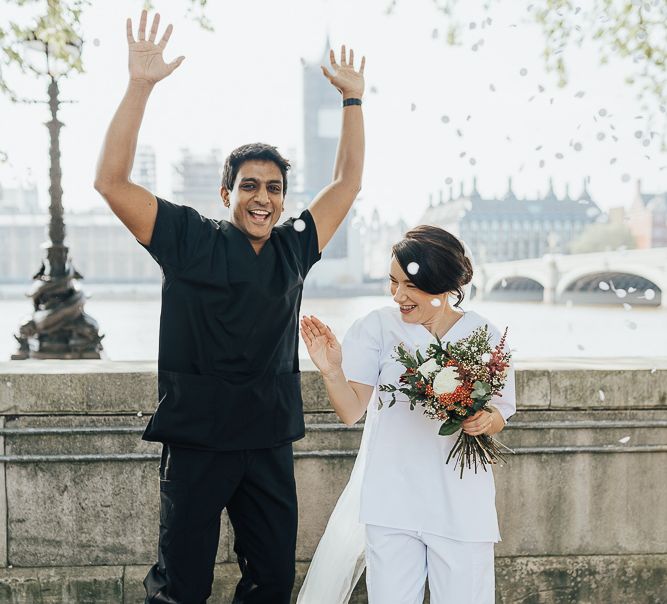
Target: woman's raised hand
[
  {"x": 344, "y": 76},
  {"x": 323, "y": 347},
  {"x": 145, "y": 61}
]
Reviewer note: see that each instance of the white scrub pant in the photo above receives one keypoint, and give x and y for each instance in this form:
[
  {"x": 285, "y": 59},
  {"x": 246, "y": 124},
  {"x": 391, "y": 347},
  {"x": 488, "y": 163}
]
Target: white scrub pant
[{"x": 398, "y": 563}]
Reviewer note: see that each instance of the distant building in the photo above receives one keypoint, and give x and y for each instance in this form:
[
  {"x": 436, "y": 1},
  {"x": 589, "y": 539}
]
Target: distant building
[
  {"x": 19, "y": 199},
  {"x": 197, "y": 183},
  {"x": 510, "y": 228},
  {"x": 648, "y": 219},
  {"x": 144, "y": 169},
  {"x": 378, "y": 239},
  {"x": 102, "y": 248}
]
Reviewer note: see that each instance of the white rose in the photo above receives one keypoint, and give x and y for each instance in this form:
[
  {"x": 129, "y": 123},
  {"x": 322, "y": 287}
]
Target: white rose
[
  {"x": 446, "y": 381},
  {"x": 429, "y": 367}
]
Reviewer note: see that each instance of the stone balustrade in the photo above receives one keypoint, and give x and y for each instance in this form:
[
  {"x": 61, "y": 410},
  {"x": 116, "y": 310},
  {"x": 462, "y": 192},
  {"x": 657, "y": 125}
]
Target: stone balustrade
[{"x": 582, "y": 504}]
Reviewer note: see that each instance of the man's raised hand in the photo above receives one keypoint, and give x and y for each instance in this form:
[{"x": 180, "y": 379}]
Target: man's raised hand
[
  {"x": 145, "y": 61},
  {"x": 344, "y": 76}
]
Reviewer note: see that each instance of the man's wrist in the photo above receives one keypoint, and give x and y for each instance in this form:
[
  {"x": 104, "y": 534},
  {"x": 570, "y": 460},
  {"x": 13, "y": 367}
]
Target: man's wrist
[
  {"x": 334, "y": 375},
  {"x": 352, "y": 95},
  {"x": 141, "y": 85}
]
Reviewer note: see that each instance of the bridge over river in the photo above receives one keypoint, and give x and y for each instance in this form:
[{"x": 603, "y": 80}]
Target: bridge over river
[{"x": 636, "y": 276}]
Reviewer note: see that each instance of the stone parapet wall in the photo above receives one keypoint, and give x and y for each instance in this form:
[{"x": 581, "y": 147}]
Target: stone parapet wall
[{"x": 583, "y": 515}]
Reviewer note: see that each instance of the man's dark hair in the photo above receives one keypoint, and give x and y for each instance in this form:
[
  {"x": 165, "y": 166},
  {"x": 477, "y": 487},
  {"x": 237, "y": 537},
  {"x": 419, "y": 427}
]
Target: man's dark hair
[
  {"x": 443, "y": 265},
  {"x": 244, "y": 153}
]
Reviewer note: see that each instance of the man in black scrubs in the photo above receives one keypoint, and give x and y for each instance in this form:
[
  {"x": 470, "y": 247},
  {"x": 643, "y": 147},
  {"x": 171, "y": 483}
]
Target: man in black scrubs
[{"x": 228, "y": 372}]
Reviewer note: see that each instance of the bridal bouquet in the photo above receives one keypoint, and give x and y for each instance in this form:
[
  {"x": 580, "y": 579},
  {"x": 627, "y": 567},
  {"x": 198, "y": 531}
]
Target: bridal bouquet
[{"x": 452, "y": 383}]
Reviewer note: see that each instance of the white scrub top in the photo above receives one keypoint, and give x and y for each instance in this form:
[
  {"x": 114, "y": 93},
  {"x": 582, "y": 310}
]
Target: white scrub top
[{"x": 407, "y": 484}]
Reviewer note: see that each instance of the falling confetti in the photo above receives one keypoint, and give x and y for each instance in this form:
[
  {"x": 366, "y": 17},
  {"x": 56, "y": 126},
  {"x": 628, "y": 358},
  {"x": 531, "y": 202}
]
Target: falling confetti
[
  {"x": 503, "y": 283},
  {"x": 638, "y": 134},
  {"x": 523, "y": 71},
  {"x": 649, "y": 294},
  {"x": 621, "y": 293},
  {"x": 612, "y": 160},
  {"x": 602, "y": 112},
  {"x": 601, "y": 136},
  {"x": 580, "y": 94},
  {"x": 625, "y": 177},
  {"x": 449, "y": 180},
  {"x": 140, "y": 414},
  {"x": 541, "y": 163},
  {"x": 604, "y": 286},
  {"x": 577, "y": 146},
  {"x": 627, "y": 307},
  {"x": 624, "y": 440},
  {"x": 472, "y": 161},
  {"x": 646, "y": 142},
  {"x": 601, "y": 395},
  {"x": 413, "y": 107},
  {"x": 492, "y": 88},
  {"x": 413, "y": 268},
  {"x": 653, "y": 370},
  {"x": 445, "y": 119},
  {"x": 631, "y": 324},
  {"x": 436, "y": 302},
  {"x": 458, "y": 131},
  {"x": 463, "y": 153},
  {"x": 559, "y": 156},
  {"x": 580, "y": 347},
  {"x": 96, "y": 41},
  {"x": 632, "y": 290},
  {"x": 373, "y": 89},
  {"x": 538, "y": 147},
  {"x": 299, "y": 225}
]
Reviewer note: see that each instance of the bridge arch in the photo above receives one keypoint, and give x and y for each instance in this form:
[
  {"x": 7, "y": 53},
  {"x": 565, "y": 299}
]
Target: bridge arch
[
  {"x": 584, "y": 286},
  {"x": 515, "y": 288}
]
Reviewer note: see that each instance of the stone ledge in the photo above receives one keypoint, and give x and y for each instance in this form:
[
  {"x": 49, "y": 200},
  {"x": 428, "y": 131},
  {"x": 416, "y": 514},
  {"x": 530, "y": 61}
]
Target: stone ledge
[
  {"x": 639, "y": 579},
  {"x": 111, "y": 387}
]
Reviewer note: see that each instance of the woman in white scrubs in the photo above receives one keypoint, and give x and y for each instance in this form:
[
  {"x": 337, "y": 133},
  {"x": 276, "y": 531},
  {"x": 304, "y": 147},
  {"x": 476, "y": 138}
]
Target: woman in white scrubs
[{"x": 422, "y": 521}]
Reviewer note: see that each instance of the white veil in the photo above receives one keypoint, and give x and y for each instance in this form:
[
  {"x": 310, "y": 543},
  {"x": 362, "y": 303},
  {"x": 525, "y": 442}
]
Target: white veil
[{"x": 339, "y": 559}]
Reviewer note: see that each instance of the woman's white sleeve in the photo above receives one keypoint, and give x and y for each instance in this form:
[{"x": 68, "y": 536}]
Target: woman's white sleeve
[{"x": 361, "y": 350}]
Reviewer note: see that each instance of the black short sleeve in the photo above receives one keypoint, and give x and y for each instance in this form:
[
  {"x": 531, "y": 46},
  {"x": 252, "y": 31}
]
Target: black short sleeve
[
  {"x": 300, "y": 234},
  {"x": 180, "y": 236}
]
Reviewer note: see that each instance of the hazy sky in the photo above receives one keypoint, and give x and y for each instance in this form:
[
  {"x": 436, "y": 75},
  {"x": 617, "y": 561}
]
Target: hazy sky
[{"x": 243, "y": 83}]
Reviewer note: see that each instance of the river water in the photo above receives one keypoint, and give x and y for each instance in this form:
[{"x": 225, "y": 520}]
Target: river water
[{"x": 130, "y": 324}]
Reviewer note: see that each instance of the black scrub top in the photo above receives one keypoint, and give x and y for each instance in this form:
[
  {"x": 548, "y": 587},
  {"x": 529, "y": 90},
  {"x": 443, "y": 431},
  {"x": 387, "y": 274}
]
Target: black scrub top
[{"x": 228, "y": 365}]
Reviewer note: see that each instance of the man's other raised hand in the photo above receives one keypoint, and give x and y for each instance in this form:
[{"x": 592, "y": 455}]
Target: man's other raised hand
[{"x": 146, "y": 63}]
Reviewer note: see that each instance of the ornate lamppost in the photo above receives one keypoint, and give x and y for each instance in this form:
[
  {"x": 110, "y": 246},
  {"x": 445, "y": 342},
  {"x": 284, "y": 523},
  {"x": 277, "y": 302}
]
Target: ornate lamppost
[{"x": 59, "y": 328}]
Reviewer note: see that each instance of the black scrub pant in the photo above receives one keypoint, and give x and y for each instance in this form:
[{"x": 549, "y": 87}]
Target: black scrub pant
[{"x": 258, "y": 489}]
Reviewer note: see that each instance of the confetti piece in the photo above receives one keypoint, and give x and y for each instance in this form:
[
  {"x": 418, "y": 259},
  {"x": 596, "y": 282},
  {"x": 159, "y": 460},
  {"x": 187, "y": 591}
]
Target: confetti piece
[
  {"x": 541, "y": 163},
  {"x": 458, "y": 131},
  {"x": 413, "y": 107},
  {"x": 580, "y": 94},
  {"x": 140, "y": 414},
  {"x": 653, "y": 370},
  {"x": 523, "y": 71},
  {"x": 492, "y": 88},
  {"x": 503, "y": 283},
  {"x": 627, "y": 307},
  {"x": 580, "y": 347},
  {"x": 538, "y": 147},
  {"x": 559, "y": 156},
  {"x": 436, "y": 302},
  {"x": 621, "y": 293},
  {"x": 472, "y": 161},
  {"x": 449, "y": 180},
  {"x": 601, "y": 395},
  {"x": 445, "y": 119},
  {"x": 299, "y": 225},
  {"x": 631, "y": 324},
  {"x": 602, "y": 112},
  {"x": 463, "y": 153},
  {"x": 649, "y": 294},
  {"x": 577, "y": 146},
  {"x": 601, "y": 136},
  {"x": 604, "y": 286},
  {"x": 624, "y": 440},
  {"x": 646, "y": 142},
  {"x": 625, "y": 177},
  {"x": 413, "y": 268},
  {"x": 612, "y": 160}
]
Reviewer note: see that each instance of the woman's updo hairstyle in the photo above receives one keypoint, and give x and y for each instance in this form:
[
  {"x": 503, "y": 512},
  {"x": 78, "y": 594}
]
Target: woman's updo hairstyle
[{"x": 442, "y": 264}]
